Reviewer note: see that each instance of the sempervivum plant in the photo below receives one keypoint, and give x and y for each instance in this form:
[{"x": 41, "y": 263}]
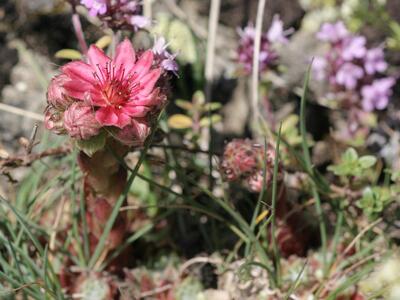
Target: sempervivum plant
[{"x": 107, "y": 106}]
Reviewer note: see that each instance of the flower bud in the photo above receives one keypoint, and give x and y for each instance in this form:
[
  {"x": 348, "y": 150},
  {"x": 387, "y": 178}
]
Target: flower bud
[
  {"x": 80, "y": 121},
  {"x": 53, "y": 120},
  {"x": 56, "y": 94},
  {"x": 134, "y": 134}
]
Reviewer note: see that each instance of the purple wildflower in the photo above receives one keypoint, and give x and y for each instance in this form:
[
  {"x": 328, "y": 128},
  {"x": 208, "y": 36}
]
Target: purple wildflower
[
  {"x": 276, "y": 34},
  {"x": 375, "y": 61},
  {"x": 376, "y": 95},
  {"x": 333, "y": 32},
  {"x": 95, "y": 7},
  {"x": 166, "y": 59},
  {"x": 268, "y": 56},
  {"x": 348, "y": 75},
  {"x": 139, "y": 22},
  {"x": 319, "y": 66},
  {"x": 354, "y": 47}
]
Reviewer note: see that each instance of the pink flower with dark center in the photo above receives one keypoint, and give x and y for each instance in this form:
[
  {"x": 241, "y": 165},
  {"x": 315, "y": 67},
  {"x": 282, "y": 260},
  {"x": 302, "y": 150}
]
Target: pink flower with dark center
[
  {"x": 79, "y": 121},
  {"x": 118, "y": 89}
]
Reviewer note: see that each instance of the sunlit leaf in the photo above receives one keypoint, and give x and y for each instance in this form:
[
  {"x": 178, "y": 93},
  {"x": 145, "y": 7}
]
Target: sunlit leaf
[
  {"x": 104, "y": 41},
  {"x": 206, "y": 120},
  {"x": 186, "y": 105},
  {"x": 68, "y": 54},
  {"x": 180, "y": 121}
]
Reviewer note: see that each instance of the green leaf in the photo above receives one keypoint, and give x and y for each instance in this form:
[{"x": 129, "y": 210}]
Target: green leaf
[
  {"x": 367, "y": 161},
  {"x": 199, "y": 99},
  {"x": 68, "y": 54},
  {"x": 212, "y": 106},
  {"x": 92, "y": 145},
  {"x": 181, "y": 41},
  {"x": 104, "y": 41},
  {"x": 350, "y": 155},
  {"x": 185, "y": 105},
  {"x": 180, "y": 121},
  {"x": 204, "y": 122}
]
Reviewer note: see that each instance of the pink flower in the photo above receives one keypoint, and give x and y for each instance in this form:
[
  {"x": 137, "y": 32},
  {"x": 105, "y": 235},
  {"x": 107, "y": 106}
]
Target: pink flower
[
  {"x": 56, "y": 94},
  {"x": 80, "y": 122},
  {"x": 134, "y": 134},
  {"x": 119, "y": 89}
]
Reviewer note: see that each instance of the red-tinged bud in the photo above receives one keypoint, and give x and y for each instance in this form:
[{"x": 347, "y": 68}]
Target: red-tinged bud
[
  {"x": 54, "y": 120},
  {"x": 80, "y": 121},
  {"x": 134, "y": 134},
  {"x": 56, "y": 94}
]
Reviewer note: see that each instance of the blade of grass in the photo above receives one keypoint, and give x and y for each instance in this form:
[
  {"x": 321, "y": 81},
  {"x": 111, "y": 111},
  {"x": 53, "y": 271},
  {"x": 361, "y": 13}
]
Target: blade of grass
[
  {"x": 296, "y": 282},
  {"x": 307, "y": 159},
  {"x": 273, "y": 219},
  {"x": 23, "y": 223}
]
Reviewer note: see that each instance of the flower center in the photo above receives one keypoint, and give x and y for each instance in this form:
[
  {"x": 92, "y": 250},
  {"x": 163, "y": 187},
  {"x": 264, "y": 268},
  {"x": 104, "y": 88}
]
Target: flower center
[{"x": 115, "y": 86}]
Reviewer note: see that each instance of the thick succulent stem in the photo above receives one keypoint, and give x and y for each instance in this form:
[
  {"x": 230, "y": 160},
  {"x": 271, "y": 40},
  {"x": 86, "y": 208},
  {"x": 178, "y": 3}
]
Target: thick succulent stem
[{"x": 104, "y": 181}]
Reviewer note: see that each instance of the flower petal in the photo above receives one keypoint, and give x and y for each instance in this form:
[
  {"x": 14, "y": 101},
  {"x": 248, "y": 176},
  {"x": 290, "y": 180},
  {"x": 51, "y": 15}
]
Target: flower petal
[
  {"x": 77, "y": 89},
  {"x": 79, "y": 70},
  {"x": 97, "y": 58},
  {"x": 107, "y": 116},
  {"x": 148, "y": 82},
  {"x": 143, "y": 65},
  {"x": 125, "y": 56},
  {"x": 135, "y": 110}
]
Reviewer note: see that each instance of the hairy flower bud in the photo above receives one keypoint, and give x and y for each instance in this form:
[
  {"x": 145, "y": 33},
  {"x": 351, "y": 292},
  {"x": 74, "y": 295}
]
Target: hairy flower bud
[
  {"x": 134, "y": 134},
  {"x": 56, "y": 94},
  {"x": 54, "y": 120},
  {"x": 245, "y": 160},
  {"x": 80, "y": 122}
]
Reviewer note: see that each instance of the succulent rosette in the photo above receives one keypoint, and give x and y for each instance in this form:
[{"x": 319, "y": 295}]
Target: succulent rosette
[
  {"x": 118, "y": 96},
  {"x": 244, "y": 160}
]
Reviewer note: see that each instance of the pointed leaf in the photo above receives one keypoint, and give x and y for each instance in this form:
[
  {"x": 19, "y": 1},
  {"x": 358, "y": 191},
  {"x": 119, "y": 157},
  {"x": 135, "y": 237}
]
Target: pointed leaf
[
  {"x": 180, "y": 121},
  {"x": 71, "y": 54},
  {"x": 367, "y": 161},
  {"x": 92, "y": 145},
  {"x": 104, "y": 41}
]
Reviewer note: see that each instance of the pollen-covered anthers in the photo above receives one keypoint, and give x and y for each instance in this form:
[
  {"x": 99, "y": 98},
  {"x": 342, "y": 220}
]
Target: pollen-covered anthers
[
  {"x": 116, "y": 87},
  {"x": 244, "y": 160}
]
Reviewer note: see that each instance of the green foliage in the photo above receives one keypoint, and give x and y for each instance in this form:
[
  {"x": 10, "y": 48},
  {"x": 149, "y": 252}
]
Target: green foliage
[
  {"x": 374, "y": 200},
  {"x": 353, "y": 165},
  {"x": 92, "y": 145}
]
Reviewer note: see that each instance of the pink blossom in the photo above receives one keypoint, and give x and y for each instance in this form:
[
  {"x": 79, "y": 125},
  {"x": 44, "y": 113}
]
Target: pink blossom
[
  {"x": 348, "y": 75},
  {"x": 80, "y": 122},
  {"x": 118, "y": 89},
  {"x": 377, "y": 94},
  {"x": 165, "y": 59},
  {"x": 95, "y": 7},
  {"x": 333, "y": 32},
  {"x": 354, "y": 47},
  {"x": 375, "y": 61},
  {"x": 276, "y": 34}
]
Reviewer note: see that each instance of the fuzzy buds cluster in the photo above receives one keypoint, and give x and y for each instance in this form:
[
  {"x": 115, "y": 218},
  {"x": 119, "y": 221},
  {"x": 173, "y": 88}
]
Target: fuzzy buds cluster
[
  {"x": 244, "y": 160},
  {"x": 352, "y": 71},
  {"x": 269, "y": 40},
  {"x": 118, "y": 96},
  {"x": 118, "y": 14}
]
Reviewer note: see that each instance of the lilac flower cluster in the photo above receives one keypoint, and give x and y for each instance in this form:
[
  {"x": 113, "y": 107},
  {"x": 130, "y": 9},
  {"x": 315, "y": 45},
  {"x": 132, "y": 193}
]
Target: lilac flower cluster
[
  {"x": 353, "y": 71},
  {"x": 268, "y": 55},
  {"x": 164, "y": 58},
  {"x": 118, "y": 14}
]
